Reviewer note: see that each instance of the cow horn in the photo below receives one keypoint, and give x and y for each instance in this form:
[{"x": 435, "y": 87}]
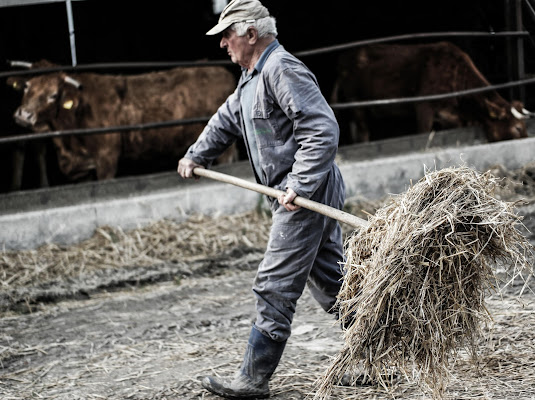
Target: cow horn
[
  {"x": 527, "y": 113},
  {"x": 22, "y": 64},
  {"x": 72, "y": 81},
  {"x": 517, "y": 114}
]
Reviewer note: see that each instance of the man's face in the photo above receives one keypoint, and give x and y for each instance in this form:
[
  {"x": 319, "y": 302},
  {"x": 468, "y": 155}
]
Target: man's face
[{"x": 238, "y": 47}]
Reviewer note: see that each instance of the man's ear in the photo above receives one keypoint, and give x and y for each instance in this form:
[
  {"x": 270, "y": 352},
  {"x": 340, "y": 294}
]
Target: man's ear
[{"x": 252, "y": 35}]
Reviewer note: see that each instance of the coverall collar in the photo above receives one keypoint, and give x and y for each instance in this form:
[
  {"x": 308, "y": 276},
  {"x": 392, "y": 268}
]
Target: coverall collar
[{"x": 262, "y": 60}]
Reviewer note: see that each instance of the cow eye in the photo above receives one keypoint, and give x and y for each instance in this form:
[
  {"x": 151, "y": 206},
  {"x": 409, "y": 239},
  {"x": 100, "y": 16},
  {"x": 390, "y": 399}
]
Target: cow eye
[{"x": 52, "y": 98}]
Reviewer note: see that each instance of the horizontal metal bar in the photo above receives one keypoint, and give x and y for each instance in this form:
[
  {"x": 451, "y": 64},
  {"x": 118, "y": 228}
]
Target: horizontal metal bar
[
  {"x": 336, "y": 106},
  {"x": 117, "y": 65},
  {"x": 16, "y": 3},
  {"x": 172, "y": 64},
  {"x": 434, "y": 97},
  {"x": 91, "y": 131},
  {"x": 408, "y": 37}
]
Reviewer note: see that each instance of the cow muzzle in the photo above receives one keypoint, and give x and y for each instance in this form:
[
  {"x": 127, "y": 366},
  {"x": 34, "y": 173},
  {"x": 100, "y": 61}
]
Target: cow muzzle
[
  {"x": 519, "y": 130},
  {"x": 25, "y": 118}
]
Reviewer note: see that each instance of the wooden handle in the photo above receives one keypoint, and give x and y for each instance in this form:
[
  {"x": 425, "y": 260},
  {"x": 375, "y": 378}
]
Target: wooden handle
[{"x": 320, "y": 208}]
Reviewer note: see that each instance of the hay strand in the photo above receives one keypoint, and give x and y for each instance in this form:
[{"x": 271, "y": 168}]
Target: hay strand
[{"x": 415, "y": 280}]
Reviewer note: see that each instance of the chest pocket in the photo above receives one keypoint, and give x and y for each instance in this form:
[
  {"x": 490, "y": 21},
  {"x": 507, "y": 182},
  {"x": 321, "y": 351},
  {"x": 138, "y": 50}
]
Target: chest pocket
[{"x": 266, "y": 129}]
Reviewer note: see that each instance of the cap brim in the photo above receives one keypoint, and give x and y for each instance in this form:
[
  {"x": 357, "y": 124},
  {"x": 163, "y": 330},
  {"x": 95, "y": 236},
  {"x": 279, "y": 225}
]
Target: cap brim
[{"x": 218, "y": 28}]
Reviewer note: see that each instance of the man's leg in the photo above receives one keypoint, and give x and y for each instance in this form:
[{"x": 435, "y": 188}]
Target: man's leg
[
  {"x": 282, "y": 275},
  {"x": 294, "y": 244},
  {"x": 295, "y": 240},
  {"x": 326, "y": 276}
]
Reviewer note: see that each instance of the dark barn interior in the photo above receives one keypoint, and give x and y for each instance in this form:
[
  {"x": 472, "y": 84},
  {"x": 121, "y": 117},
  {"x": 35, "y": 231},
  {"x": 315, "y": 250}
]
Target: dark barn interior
[{"x": 124, "y": 31}]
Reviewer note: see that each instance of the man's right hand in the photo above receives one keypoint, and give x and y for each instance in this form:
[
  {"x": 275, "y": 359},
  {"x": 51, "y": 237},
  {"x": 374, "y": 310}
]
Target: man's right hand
[{"x": 185, "y": 168}]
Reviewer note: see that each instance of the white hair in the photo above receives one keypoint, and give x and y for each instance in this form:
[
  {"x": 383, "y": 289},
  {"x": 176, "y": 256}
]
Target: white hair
[{"x": 265, "y": 26}]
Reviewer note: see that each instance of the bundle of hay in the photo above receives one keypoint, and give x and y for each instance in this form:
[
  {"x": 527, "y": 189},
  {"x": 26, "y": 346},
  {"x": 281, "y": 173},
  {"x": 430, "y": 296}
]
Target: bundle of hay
[{"x": 416, "y": 279}]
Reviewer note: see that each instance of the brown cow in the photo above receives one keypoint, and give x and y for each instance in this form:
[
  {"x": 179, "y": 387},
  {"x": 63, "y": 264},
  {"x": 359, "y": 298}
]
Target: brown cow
[
  {"x": 395, "y": 71},
  {"x": 57, "y": 101}
]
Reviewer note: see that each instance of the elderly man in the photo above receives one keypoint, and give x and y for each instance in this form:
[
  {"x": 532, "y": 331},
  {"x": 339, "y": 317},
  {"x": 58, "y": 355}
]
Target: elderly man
[{"x": 291, "y": 136}]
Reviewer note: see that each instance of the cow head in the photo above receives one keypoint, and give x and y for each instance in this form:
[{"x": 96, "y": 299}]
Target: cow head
[
  {"x": 46, "y": 99},
  {"x": 53, "y": 101},
  {"x": 505, "y": 121}
]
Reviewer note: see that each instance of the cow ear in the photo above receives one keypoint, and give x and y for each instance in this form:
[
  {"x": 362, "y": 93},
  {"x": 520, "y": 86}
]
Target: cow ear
[
  {"x": 69, "y": 93},
  {"x": 494, "y": 110},
  {"x": 16, "y": 83}
]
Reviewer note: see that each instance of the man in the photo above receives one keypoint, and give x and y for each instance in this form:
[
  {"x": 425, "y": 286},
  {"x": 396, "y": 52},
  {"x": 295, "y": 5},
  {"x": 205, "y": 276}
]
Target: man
[{"x": 291, "y": 136}]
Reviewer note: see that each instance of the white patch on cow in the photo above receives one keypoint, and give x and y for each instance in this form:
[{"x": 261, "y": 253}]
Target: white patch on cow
[{"x": 52, "y": 98}]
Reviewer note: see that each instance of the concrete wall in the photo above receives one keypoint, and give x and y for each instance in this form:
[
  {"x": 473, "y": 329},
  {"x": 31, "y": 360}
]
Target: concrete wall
[{"x": 70, "y": 214}]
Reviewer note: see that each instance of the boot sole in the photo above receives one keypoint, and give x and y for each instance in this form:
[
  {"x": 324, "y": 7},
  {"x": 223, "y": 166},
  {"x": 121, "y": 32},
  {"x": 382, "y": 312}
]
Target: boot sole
[{"x": 220, "y": 391}]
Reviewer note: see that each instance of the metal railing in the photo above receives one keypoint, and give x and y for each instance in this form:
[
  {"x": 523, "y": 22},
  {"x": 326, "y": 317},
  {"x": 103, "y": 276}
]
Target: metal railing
[{"x": 170, "y": 64}]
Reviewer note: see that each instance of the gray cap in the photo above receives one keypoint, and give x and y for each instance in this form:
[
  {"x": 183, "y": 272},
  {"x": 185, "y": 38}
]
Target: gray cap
[{"x": 239, "y": 11}]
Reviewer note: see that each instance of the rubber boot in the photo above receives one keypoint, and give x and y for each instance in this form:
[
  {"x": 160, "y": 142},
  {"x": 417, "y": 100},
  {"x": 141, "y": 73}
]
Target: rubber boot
[{"x": 252, "y": 380}]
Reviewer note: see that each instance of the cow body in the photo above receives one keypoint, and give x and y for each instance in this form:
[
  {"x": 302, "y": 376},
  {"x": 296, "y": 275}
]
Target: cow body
[
  {"x": 395, "y": 71},
  {"x": 88, "y": 100}
]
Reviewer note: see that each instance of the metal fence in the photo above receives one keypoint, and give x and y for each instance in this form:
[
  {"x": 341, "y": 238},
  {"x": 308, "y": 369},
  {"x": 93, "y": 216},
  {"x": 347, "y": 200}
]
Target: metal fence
[{"x": 160, "y": 65}]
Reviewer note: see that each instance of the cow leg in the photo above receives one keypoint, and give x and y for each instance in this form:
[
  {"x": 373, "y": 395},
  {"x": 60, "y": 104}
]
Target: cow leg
[
  {"x": 17, "y": 163},
  {"x": 107, "y": 168},
  {"x": 358, "y": 127},
  {"x": 106, "y": 164},
  {"x": 424, "y": 117},
  {"x": 106, "y": 155},
  {"x": 40, "y": 152}
]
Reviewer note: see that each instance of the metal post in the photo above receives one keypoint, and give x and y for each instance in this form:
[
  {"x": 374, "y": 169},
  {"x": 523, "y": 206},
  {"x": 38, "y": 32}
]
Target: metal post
[
  {"x": 508, "y": 45},
  {"x": 520, "y": 69},
  {"x": 530, "y": 9},
  {"x": 71, "y": 32},
  {"x": 515, "y": 48}
]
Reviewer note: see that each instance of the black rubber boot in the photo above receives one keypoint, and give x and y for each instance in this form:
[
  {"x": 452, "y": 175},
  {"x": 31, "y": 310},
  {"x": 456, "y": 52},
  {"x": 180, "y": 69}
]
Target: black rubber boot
[{"x": 252, "y": 380}]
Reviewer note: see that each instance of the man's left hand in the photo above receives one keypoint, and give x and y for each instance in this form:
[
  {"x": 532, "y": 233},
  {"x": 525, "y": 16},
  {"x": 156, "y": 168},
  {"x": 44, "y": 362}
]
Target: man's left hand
[{"x": 287, "y": 198}]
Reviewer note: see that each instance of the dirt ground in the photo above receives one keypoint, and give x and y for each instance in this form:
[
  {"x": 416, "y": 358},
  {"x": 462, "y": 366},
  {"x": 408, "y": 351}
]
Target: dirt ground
[
  {"x": 150, "y": 332},
  {"x": 154, "y": 341}
]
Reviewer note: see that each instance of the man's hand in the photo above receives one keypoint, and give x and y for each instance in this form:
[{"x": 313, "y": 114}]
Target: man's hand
[
  {"x": 287, "y": 198},
  {"x": 185, "y": 168}
]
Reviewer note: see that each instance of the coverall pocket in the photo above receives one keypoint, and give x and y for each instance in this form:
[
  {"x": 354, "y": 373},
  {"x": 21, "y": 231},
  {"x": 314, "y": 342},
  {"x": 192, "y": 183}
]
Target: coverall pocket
[
  {"x": 267, "y": 133},
  {"x": 285, "y": 236}
]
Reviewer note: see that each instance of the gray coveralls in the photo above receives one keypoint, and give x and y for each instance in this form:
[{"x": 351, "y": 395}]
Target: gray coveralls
[{"x": 296, "y": 139}]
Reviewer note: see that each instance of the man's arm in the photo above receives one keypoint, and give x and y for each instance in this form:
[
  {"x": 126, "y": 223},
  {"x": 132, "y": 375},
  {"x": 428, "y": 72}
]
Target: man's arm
[
  {"x": 314, "y": 128},
  {"x": 221, "y": 131}
]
